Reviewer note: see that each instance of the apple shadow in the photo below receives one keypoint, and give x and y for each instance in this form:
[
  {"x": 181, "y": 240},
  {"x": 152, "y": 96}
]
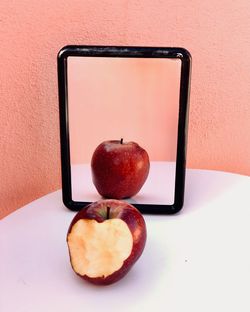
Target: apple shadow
[{"x": 147, "y": 269}]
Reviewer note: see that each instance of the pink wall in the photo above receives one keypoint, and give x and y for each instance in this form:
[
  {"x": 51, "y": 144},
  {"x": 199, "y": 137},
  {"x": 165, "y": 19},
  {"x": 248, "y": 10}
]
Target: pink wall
[{"x": 215, "y": 32}]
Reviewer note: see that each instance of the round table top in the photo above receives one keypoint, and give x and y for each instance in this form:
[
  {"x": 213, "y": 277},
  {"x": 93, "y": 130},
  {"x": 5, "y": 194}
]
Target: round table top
[{"x": 196, "y": 260}]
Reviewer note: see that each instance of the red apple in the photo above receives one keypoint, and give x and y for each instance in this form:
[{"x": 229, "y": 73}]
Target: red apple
[
  {"x": 119, "y": 169},
  {"x": 105, "y": 239}
]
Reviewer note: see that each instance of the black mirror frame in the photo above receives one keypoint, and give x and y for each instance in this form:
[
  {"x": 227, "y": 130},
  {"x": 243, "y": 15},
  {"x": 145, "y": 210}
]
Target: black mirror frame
[{"x": 127, "y": 52}]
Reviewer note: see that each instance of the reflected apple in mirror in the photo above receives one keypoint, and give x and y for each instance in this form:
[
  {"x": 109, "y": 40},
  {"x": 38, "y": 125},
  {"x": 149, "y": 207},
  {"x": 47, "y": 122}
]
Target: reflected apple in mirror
[
  {"x": 119, "y": 169},
  {"x": 105, "y": 239}
]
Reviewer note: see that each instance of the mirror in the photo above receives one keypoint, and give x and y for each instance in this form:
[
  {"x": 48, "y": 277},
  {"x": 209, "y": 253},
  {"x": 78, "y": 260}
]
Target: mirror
[{"x": 111, "y": 94}]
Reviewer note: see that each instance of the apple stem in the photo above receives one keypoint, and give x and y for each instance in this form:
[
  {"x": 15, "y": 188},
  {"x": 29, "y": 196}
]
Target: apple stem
[
  {"x": 121, "y": 140},
  {"x": 108, "y": 211}
]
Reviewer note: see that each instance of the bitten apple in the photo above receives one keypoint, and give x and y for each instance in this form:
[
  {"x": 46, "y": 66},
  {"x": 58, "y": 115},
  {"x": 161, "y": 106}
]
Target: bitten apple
[
  {"x": 119, "y": 169},
  {"x": 105, "y": 239}
]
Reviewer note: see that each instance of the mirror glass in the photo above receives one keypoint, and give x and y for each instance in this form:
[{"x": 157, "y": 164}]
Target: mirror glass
[{"x": 136, "y": 99}]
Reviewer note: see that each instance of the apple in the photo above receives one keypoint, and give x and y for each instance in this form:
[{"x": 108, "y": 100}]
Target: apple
[
  {"x": 105, "y": 239},
  {"x": 119, "y": 169}
]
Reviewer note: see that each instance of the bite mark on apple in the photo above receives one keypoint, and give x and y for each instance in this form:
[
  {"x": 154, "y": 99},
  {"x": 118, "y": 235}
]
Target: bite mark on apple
[{"x": 99, "y": 249}]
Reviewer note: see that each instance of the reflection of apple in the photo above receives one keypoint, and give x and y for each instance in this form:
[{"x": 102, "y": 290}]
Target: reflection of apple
[
  {"x": 105, "y": 239},
  {"x": 119, "y": 169}
]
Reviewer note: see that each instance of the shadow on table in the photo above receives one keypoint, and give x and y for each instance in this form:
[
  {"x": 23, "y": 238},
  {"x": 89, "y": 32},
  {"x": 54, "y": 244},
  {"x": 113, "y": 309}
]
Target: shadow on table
[{"x": 205, "y": 186}]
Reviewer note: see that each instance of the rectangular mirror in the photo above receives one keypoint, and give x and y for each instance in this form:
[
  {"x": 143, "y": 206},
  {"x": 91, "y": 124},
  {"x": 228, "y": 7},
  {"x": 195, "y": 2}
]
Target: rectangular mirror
[{"x": 128, "y": 94}]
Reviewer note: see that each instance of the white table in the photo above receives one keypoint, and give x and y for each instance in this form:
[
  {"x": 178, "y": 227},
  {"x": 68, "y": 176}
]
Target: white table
[{"x": 198, "y": 260}]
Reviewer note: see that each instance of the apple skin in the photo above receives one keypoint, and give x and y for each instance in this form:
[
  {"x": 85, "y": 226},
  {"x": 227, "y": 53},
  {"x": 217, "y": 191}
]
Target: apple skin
[
  {"x": 119, "y": 169},
  {"x": 135, "y": 222}
]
